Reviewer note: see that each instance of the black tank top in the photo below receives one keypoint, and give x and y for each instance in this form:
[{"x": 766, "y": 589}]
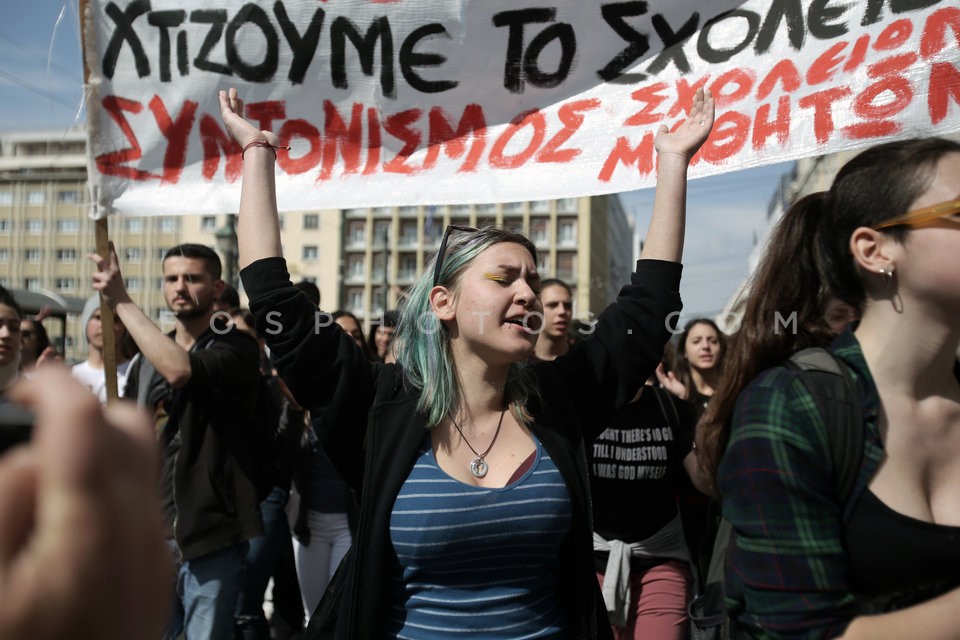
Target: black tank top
[{"x": 897, "y": 558}]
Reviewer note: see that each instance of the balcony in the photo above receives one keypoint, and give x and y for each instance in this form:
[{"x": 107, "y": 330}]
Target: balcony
[
  {"x": 356, "y": 243},
  {"x": 406, "y": 278},
  {"x": 355, "y": 278}
]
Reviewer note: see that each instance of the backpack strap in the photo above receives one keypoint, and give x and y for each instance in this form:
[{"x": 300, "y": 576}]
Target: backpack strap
[{"x": 830, "y": 384}]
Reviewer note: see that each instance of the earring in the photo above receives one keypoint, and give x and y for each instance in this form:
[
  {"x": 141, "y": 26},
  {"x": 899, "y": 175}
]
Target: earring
[{"x": 887, "y": 273}]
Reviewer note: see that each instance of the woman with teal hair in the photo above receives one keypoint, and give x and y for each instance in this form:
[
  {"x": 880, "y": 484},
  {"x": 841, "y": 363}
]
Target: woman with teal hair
[{"x": 468, "y": 458}]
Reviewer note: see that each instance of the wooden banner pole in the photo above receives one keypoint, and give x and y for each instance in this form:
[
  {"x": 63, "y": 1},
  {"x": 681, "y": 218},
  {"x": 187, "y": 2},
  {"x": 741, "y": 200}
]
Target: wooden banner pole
[{"x": 101, "y": 229}]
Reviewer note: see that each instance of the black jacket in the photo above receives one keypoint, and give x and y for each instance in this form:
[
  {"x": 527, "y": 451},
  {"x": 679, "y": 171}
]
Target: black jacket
[
  {"x": 372, "y": 431},
  {"x": 214, "y": 498}
]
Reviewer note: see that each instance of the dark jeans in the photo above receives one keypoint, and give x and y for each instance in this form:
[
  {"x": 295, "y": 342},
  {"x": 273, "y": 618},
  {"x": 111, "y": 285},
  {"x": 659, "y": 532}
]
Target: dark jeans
[{"x": 262, "y": 557}]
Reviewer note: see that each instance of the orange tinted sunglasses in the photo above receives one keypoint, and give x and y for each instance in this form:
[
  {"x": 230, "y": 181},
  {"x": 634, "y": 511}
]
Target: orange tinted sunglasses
[{"x": 919, "y": 216}]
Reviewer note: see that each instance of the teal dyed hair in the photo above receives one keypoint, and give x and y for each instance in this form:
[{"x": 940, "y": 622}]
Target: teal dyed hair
[{"x": 423, "y": 343}]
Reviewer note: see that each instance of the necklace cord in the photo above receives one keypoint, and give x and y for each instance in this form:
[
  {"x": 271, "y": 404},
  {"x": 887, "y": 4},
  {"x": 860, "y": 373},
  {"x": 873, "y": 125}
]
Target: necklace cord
[{"x": 495, "y": 434}]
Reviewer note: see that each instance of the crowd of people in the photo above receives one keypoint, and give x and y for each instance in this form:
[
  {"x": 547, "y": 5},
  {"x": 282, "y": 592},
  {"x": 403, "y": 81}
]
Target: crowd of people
[{"x": 478, "y": 468}]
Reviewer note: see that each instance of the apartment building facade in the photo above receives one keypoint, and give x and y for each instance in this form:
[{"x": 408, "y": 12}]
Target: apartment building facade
[{"x": 46, "y": 231}]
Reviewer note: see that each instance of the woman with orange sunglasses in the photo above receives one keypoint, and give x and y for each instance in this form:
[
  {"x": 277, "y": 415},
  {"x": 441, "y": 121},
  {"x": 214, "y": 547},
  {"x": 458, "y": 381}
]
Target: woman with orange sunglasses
[{"x": 882, "y": 561}]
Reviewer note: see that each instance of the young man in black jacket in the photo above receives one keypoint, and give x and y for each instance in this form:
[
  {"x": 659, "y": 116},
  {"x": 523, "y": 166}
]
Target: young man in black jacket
[{"x": 202, "y": 382}]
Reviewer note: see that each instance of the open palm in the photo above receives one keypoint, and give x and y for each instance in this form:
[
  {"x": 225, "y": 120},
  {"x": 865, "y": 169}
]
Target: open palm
[
  {"x": 242, "y": 131},
  {"x": 687, "y": 138}
]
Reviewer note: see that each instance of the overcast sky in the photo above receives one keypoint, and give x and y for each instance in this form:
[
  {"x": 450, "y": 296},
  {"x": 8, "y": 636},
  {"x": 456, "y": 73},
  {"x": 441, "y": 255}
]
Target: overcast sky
[{"x": 40, "y": 87}]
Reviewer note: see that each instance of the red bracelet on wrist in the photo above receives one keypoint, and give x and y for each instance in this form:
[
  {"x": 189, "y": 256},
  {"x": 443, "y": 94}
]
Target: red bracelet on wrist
[{"x": 263, "y": 143}]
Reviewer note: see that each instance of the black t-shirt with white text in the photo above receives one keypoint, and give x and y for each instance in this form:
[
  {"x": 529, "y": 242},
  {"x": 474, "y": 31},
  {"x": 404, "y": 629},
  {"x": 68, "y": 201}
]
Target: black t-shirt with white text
[{"x": 634, "y": 465}]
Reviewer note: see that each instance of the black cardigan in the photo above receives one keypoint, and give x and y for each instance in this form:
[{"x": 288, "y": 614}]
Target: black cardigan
[{"x": 372, "y": 432}]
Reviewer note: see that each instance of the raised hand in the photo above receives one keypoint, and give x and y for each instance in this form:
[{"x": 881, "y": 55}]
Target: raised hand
[
  {"x": 107, "y": 279},
  {"x": 49, "y": 356},
  {"x": 687, "y": 138},
  {"x": 243, "y": 132},
  {"x": 669, "y": 382}
]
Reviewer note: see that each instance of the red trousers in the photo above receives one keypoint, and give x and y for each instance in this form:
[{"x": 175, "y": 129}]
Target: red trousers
[{"x": 658, "y": 603}]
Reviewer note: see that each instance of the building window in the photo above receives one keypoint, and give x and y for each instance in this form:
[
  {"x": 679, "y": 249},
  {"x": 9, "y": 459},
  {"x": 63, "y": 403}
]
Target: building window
[
  {"x": 310, "y": 252},
  {"x": 158, "y": 284},
  {"x": 208, "y": 223},
  {"x": 68, "y": 197},
  {"x": 32, "y": 255},
  {"x": 567, "y": 266},
  {"x": 513, "y": 207},
  {"x": 355, "y": 300},
  {"x": 460, "y": 209},
  {"x": 408, "y": 232},
  {"x": 66, "y": 255},
  {"x": 567, "y": 232},
  {"x": 355, "y": 267},
  {"x": 68, "y": 226},
  {"x": 34, "y": 226},
  {"x": 4, "y": 255},
  {"x": 161, "y": 253},
  {"x": 6, "y": 198},
  {"x": 487, "y": 207},
  {"x": 408, "y": 266},
  {"x": 356, "y": 232},
  {"x": 36, "y": 197},
  {"x": 408, "y": 210},
  {"x": 281, "y": 221},
  {"x": 540, "y": 230},
  {"x": 381, "y": 232},
  {"x": 567, "y": 205},
  {"x": 31, "y": 284},
  {"x": 6, "y": 225},
  {"x": 132, "y": 254},
  {"x": 311, "y": 221},
  {"x": 167, "y": 225},
  {"x": 132, "y": 284},
  {"x": 540, "y": 206},
  {"x": 65, "y": 284},
  {"x": 133, "y": 225}
]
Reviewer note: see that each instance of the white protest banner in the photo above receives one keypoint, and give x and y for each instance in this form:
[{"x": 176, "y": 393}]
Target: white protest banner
[{"x": 389, "y": 102}]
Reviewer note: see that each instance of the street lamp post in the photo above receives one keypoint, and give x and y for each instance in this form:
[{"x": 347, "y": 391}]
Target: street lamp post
[
  {"x": 226, "y": 239},
  {"x": 386, "y": 262}
]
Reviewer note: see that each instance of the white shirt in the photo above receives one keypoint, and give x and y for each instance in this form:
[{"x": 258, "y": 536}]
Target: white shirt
[{"x": 95, "y": 379}]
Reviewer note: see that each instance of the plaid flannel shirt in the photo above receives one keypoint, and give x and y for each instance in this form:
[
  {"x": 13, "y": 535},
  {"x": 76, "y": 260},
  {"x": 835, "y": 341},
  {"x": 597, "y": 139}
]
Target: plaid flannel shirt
[{"x": 786, "y": 574}]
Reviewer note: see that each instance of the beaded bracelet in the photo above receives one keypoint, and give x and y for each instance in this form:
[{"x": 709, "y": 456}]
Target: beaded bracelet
[{"x": 263, "y": 143}]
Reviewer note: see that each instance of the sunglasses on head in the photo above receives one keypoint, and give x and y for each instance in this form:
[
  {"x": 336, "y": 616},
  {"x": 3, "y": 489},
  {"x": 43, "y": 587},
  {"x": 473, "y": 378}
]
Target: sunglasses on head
[
  {"x": 441, "y": 252},
  {"x": 920, "y": 216}
]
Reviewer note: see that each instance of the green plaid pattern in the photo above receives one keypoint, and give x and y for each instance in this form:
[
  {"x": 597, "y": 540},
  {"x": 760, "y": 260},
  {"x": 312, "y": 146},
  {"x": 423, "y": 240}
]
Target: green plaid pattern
[{"x": 786, "y": 574}]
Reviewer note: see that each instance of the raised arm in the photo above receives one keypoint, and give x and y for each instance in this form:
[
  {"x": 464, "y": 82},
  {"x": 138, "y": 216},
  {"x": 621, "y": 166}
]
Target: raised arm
[
  {"x": 664, "y": 239},
  {"x": 258, "y": 228},
  {"x": 169, "y": 359}
]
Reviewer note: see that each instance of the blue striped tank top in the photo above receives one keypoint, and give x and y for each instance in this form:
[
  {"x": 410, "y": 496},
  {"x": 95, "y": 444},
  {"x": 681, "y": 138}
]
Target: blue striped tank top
[{"x": 474, "y": 562}]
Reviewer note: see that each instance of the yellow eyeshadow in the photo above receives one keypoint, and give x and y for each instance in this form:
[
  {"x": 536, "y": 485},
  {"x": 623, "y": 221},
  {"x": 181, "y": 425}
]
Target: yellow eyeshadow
[{"x": 496, "y": 277}]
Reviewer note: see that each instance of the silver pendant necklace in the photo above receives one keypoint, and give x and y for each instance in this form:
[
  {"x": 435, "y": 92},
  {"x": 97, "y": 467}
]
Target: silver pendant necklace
[{"x": 479, "y": 466}]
